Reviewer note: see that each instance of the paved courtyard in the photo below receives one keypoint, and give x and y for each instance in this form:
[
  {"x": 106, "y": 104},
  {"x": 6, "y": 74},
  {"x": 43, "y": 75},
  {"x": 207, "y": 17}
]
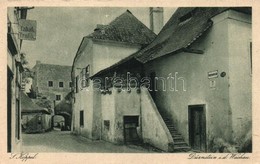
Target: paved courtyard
[{"x": 63, "y": 141}]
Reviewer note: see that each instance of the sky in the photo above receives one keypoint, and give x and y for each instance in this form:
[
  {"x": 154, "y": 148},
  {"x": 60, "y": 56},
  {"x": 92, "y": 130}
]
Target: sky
[{"x": 61, "y": 29}]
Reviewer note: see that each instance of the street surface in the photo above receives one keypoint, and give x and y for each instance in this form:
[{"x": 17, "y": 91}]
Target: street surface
[{"x": 63, "y": 141}]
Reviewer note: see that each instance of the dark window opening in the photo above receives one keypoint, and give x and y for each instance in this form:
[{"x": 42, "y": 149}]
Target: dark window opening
[
  {"x": 251, "y": 60},
  {"x": 106, "y": 124},
  {"x": 61, "y": 84},
  {"x": 50, "y": 83},
  {"x": 70, "y": 84},
  {"x": 76, "y": 82},
  {"x": 17, "y": 119},
  {"x": 58, "y": 97},
  {"x": 81, "y": 119},
  {"x": 185, "y": 17},
  {"x": 85, "y": 77}
]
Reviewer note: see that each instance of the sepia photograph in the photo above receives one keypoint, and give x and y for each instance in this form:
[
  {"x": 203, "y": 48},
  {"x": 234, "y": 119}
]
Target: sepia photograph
[{"x": 129, "y": 80}]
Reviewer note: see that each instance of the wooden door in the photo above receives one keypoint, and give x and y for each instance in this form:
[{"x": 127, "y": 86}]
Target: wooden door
[
  {"x": 197, "y": 127},
  {"x": 130, "y": 129}
]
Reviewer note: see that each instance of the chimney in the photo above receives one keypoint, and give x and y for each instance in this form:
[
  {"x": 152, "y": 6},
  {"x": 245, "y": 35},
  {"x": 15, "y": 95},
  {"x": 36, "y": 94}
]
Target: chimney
[
  {"x": 38, "y": 62},
  {"x": 156, "y": 19}
]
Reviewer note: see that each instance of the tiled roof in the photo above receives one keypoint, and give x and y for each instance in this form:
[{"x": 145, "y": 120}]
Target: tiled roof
[
  {"x": 125, "y": 28},
  {"x": 57, "y": 71},
  {"x": 28, "y": 106},
  {"x": 177, "y": 35}
]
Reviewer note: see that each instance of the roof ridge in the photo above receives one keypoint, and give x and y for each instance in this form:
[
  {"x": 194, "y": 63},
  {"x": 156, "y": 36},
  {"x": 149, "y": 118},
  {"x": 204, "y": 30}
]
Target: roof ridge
[
  {"x": 53, "y": 64},
  {"x": 125, "y": 28}
]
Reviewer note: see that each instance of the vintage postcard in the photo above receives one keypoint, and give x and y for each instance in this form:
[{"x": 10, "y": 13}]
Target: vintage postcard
[{"x": 129, "y": 82}]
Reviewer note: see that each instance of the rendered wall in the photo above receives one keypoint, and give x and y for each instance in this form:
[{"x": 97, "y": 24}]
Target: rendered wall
[
  {"x": 240, "y": 36},
  {"x": 107, "y": 54},
  {"x": 198, "y": 88},
  {"x": 154, "y": 130},
  {"x": 114, "y": 107}
]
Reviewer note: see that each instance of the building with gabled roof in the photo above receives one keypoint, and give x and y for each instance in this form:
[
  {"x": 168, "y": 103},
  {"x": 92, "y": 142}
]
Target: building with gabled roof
[
  {"x": 104, "y": 47},
  {"x": 51, "y": 86},
  {"x": 34, "y": 118},
  {"x": 194, "y": 68}
]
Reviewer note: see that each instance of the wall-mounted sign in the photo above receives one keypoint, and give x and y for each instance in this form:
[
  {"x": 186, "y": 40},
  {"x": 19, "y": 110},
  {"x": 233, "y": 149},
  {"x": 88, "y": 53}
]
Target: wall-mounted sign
[
  {"x": 212, "y": 84},
  {"x": 27, "y": 29},
  {"x": 213, "y": 74}
]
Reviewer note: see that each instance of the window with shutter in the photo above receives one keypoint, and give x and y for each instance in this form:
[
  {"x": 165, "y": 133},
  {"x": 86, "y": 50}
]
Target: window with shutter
[{"x": 76, "y": 86}]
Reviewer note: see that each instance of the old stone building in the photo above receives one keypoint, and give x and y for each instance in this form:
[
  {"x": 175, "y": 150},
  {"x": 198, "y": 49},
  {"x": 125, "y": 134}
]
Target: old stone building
[
  {"x": 195, "y": 65},
  {"x": 183, "y": 91},
  {"x": 104, "y": 47},
  {"x": 53, "y": 84},
  {"x": 51, "y": 81}
]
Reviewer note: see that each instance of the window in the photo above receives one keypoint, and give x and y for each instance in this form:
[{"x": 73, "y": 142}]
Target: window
[
  {"x": 70, "y": 84},
  {"x": 106, "y": 124},
  {"x": 76, "y": 82},
  {"x": 17, "y": 119},
  {"x": 58, "y": 97},
  {"x": 61, "y": 84},
  {"x": 185, "y": 18},
  {"x": 85, "y": 77},
  {"x": 50, "y": 83},
  {"x": 251, "y": 58},
  {"x": 81, "y": 119}
]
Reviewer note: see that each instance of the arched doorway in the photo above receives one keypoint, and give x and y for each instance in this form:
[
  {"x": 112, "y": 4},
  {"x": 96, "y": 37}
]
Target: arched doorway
[
  {"x": 61, "y": 121},
  {"x": 58, "y": 122}
]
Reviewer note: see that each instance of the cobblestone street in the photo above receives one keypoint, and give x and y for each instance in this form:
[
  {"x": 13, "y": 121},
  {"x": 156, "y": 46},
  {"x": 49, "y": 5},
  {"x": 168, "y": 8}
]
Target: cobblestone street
[{"x": 63, "y": 141}]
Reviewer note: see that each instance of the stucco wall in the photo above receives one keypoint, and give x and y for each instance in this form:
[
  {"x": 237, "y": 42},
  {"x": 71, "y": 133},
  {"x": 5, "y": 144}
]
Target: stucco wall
[
  {"x": 240, "y": 35},
  {"x": 127, "y": 104},
  {"x": 194, "y": 68},
  {"x": 84, "y": 97},
  {"x": 55, "y": 73},
  {"x": 98, "y": 55},
  {"x": 107, "y": 54},
  {"x": 154, "y": 130},
  {"x": 114, "y": 107},
  {"x": 108, "y": 114}
]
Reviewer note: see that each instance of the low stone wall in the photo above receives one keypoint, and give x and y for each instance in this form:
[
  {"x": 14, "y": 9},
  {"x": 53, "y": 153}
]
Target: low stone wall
[{"x": 154, "y": 130}]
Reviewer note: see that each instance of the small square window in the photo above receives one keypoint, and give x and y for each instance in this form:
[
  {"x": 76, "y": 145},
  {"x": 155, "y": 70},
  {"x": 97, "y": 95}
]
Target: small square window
[
  {"x": 58, "y": 97},
  {"x": 61, "y": 84},
  {"x": 81, "y": 119},
  {"x": 50, "y": 83},
  {"x": 107, "y": 124}
]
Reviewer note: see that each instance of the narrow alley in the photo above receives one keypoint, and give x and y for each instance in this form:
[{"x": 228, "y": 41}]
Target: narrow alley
[{"x": 64, "y": 141}]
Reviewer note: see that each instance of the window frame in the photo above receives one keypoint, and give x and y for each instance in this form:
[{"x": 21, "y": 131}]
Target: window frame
[
  {"x": 61, "y": 82},
  {"x": 57, "y": 97},
  {"x": 81, "y": 118},
  {"x": 51, "y": 83}
]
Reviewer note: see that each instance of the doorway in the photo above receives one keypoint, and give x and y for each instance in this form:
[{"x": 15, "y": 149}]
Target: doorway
[
  {"x": 197, "y": 127},
  {"x": 130, "y": 129}
]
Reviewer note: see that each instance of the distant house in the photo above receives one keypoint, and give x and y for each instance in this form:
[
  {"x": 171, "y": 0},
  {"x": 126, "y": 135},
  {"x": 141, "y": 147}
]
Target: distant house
[
  {"x": 52, "y": 83},
  {"x": 107, "y": 45},
  {"x": 193, "y": 70},
  {"x": 35, "y": 119}
]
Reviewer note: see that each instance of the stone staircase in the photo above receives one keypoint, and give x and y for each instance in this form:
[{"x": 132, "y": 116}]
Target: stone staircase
[{"x": 179, "y": 144}]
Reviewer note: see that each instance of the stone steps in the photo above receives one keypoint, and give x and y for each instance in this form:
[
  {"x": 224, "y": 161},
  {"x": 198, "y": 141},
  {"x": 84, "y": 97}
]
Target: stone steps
[{"x": 179, "y": 144}]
